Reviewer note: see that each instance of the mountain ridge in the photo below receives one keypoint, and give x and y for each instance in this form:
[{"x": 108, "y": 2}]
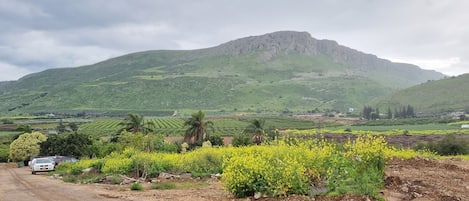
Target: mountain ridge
[{"x": 294, "y": 70}]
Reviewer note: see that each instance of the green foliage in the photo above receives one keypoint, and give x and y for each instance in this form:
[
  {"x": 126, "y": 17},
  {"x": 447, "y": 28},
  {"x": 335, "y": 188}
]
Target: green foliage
[
  {"x": 24, "y": 128},
  {"x": 136, "y": 187},
  {"x": 135, "y": 123},
  {"x": 449, "y": 145},
  {"x": 411, "y": 121},
  {"x": 116, "y": 179},
  {"x": 164, "y": 185},
  {"x": 4, "y": 153},
  {"x": 241, "y": 140},
  {"x": 207, "y": 79},
  {"x": 149, "y": 142},
  {"x": 256, "y": 129},
  {"x": 443, "y": 95},
  {"x": 198, "y": 128},
  {"x": 26, "y": 146},
  {"x": 216, "y": 140},
  {"x": 72, "y": 144},
  {"x": 70, "y": 179},
  {"x": 118, "y": 165},
  {"x": 279, "y": 168},
  {"x": 203, "y": 162}
]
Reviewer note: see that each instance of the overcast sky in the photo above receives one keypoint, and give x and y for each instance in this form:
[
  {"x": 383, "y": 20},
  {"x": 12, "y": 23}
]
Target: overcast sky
[{"x": 39, "y": 34}]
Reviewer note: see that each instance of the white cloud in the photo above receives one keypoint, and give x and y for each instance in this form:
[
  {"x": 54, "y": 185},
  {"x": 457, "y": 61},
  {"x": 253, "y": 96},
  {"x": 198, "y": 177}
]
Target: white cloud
[
  {"x": 447, "y": 66},
  {"x": 39, "y": 50},
  {"x": 42, "y": 34},
  {"x": 11, "y": 72}
]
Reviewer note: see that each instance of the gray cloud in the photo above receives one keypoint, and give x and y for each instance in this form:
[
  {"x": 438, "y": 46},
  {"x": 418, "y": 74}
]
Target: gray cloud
[{"x": 37, "y": 35}]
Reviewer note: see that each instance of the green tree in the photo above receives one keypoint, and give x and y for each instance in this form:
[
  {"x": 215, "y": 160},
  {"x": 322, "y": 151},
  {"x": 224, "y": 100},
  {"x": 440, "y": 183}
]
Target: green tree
[
  {"x": 24, "y": 128},
  {"x": 198, "y": 127},
  {"x": 410, "y": 112},
  {"x": 73, "y": 126},
  {"x": 389, "y": 114},
  {"x": 462, "y": 117},
  {"x": 61, "y": 127},
  {"x": 256, "y": 128},
  {"x": 73, "y": 144},
  {"x": 135, "y": 123},
  {"x": 367, "y": 110},
  {"x": 4, "y": 153},
  {"x": 26, "y": 146}
]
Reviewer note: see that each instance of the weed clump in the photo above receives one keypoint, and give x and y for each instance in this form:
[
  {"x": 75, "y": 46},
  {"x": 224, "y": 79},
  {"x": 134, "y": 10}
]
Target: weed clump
[
  {"x": 136, "y": 187},
  {"x": 448, "y": 146}
]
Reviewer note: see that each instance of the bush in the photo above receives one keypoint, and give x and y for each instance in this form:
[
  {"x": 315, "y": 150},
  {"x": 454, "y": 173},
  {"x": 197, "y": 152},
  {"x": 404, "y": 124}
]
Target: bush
[
  {"x": 4, "y": 153},
  {"x": 449, "y": 145},
  {"x": 169, "y": 148},
  {"x": 242, "y": 140},
  {"x": 136, "y": 187},
  {"x": 118, "y": 165},
  {"x": 116, "y": 179},
  {"x": 203, "y": 162},
  {"x": 70, "y": 179},
  {"x": 164, "y": 185},
  {"x": 216, "y": 140}
]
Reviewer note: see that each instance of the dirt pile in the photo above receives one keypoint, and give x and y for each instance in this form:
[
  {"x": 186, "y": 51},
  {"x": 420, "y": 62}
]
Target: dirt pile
[{"x": 426, "y": 179}]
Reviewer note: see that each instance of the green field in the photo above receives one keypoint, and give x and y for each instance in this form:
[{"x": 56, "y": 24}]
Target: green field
[{"x": 175, "y": 126}]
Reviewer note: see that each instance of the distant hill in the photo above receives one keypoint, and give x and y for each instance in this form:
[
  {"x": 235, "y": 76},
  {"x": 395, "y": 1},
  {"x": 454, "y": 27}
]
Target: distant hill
[
  {"x": 445, "y": 95},
  {"x": 281, "y": 71}
]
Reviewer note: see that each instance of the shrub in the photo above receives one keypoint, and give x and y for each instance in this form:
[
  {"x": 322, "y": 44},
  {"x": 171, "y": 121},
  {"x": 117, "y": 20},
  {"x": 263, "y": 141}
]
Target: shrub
[
  {"x": 242, "y": 140},
  {"x": 216, "y": 140},
  {"x": 136, "y": 187},
  {"x": 70, "y": 179},
  {"x": 169, "y": 148},
  {"x": 203, "y": 162},
  {"x": 163, "y": 185},
  {"x": 118, "y": 165},
  {"x": 449, "y": 145},
  {"x": 262, "y": 169},
  {"x": 115, "y": 179}
]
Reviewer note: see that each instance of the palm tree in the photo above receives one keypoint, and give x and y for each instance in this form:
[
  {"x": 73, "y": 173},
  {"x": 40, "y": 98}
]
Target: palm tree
[
  {"x": 197, "y": 130},
  {"x": 257, "y": 129},
  {"x": 135, "y": 123}
]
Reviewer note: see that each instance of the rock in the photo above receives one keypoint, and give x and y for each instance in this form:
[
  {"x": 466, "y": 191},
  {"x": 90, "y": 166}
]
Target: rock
[
  {"x": 165, "y": 175},
  {"x": 218, "y": 175},
  {"x": 257, "y": 195},
  {"x": 87, "y": 170},
  {"x": 185, "y": 176},
  {"x": 405, "y": 189}
]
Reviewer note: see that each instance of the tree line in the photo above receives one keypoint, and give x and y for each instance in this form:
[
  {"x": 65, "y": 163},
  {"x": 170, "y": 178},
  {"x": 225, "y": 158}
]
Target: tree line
[
  {"x": 403, "y": 112},
  {"x": 136, "y": 132}
]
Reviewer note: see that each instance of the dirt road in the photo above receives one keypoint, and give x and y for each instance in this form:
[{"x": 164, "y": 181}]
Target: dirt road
[{"x": 18, "y": 184}]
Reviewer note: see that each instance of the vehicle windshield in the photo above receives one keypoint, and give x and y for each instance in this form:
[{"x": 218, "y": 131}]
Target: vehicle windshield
[{"x": 43, "y": 160}]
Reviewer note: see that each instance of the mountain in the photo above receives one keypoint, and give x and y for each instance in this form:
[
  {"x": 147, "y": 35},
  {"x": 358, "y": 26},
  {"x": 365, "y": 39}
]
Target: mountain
[
  {"x": 280, "y": 71},
  {"x": 441, "y": 96}
]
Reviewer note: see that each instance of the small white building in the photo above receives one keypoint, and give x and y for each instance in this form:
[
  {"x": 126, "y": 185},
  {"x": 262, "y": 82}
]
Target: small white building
[{"x": 465, "y": 126}]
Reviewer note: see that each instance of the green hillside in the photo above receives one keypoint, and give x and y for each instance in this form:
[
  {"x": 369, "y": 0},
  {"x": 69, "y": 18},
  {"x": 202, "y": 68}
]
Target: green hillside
[
  {"x": 282, "y": 71},
  {"x": 445, "y": 95}
]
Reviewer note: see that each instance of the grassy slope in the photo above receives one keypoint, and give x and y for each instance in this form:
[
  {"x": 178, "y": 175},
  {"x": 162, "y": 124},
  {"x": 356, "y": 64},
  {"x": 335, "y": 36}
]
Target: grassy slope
[
  {"x": 448, "y": 94},
  {"x": 179, "y": 80}
]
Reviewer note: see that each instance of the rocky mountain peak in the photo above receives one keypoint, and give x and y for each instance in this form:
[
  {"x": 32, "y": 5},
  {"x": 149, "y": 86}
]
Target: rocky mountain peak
[{"x": 282, "y": 41}]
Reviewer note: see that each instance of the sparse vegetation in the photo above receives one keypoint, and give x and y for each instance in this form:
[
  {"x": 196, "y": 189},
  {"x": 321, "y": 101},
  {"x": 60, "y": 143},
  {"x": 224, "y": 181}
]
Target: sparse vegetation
[
  {"x": 449, "y": 145},
  {"x": 136, "y": 186}
]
